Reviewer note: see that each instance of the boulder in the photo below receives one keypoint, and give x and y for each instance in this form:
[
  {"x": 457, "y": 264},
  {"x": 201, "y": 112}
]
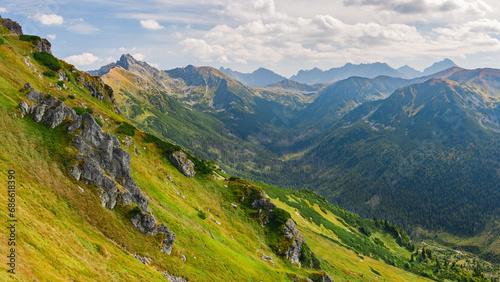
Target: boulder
[
  {"x": 24, "y": 108},
  {"x": 326, "y": 278},
  {"x": 143, "y": 222},
  {"x": 168, "y": 239},
  {"x": 267, "y": 258},
  {"x": 182, "y": 163},
  {"x": 26, "y": 87},
  {"x": 290, "y": 231},
  {"x": 262, "y": 203},
  {"x": 43, "y": 45}
]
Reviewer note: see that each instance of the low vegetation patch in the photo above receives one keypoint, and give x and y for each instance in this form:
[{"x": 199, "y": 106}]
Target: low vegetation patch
[
  {"x": 29, "y": 38},
  {"x": 127, "y": 129},
  {"x": 81, "y": 111},
  {"x": 47, "y": 60},
  {"x": 50, "y": 73}
]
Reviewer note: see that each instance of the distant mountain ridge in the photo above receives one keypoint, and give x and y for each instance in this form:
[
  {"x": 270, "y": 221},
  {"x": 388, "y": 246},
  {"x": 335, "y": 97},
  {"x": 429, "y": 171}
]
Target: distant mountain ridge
[
  {"x": 259, "y": 78},
  {"x": 316, "y": 75},
  {"x": 373, "y": 70}
]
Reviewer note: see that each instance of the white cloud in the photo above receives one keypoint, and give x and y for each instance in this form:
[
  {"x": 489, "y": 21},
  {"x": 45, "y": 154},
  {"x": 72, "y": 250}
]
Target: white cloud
[
  {"x": 3, "y": 10},
  {"x": 83, "y": 28},
  {"x": 50, "y": 19},
  {"x": 83, "y": 59},
  {"x": 51, "y": 36},
  {"x": 151, "y": 24},
  {"x": 154, "y": 65},
  {"x": 266, "y": 35},
  {"x": 139, "y": 57},
  {"x": 122, "y": 49},
  {"x": 426, "y": 6}
]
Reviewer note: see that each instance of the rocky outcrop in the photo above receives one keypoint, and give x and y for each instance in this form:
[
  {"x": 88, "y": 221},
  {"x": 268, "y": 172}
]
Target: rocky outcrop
[
  {"x": 326, "y": 278},
  {"x": 261, "y": 202},
  {"x": 43, "y": 45},
  {"x": 172, "y": 278},
  {"x": 291, "y": 233},
  {"x": 98, "y": 89},
  {"x": 100, "y": 160},
  {"x": 182, "y": 163},
  {"x": 264, "y": 207},
  {"x": 11, "y": 25},
  {"x": 267, "y": 258}
]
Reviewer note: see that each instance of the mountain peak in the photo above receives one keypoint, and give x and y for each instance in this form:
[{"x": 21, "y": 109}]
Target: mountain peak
[
  {"x": 439, "y": 66},
  {"x": 126, "y": 60}
]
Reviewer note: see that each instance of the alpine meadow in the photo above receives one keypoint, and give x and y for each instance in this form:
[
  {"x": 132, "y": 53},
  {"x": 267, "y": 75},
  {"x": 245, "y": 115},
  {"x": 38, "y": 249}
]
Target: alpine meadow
[{"x": 250, "y": 141}]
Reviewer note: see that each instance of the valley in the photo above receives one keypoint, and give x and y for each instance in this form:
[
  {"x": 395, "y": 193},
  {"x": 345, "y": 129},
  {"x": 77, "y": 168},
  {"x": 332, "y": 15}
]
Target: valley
[{"x": 140, "y": 174}]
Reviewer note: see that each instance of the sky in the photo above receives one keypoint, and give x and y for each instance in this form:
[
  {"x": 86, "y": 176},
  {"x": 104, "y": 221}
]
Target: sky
[{"x": 281, "y": 35}]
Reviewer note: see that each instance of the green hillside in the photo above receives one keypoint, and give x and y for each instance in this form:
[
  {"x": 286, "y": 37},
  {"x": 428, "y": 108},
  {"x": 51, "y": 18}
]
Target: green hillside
[{"x": 66, "y": 229}]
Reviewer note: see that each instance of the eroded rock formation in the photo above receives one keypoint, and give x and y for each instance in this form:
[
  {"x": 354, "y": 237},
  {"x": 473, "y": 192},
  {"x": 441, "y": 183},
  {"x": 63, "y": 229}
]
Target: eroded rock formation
[{"x": 100, "y": 160}]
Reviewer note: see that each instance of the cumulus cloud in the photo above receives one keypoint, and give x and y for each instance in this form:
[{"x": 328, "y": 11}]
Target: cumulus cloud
[
  {"x": 268, "y": 36},
  {"x": 3, "y": 10},
  {"x": 151, "y": 24},
  {"x": 425, "y": 6},
  {"x": 139, "y": 57},
  {"x": 49, "y": 19},
  {"x": 82, "y": 60},
  {"x": 51, "y": 36},
  {"x": 83, "y": 28}
]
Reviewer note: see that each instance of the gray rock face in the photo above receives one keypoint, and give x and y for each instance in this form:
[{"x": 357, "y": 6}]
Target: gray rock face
[
  {"x": 43, "y": 45},
  {"x": 143, "y": 260},
  {"x": 263, "y": 207},
  {"x": 182, "y": 163},
  {"x": 267, "y": 258},
  {"x": 144, "y": 222},
  {"x": 172, "y": 278},
  {"x": 262, "y": 203},
  {"x": 168, "y": 239},
  {"x": 25, "y": 108},
  {"x": 326, "y": 278},
  {"x": 101, "y": 161},
  {"x": 291, "y": 233},
  {"x": 11, "y": 25},
  {"x": 107, "y": 164}
]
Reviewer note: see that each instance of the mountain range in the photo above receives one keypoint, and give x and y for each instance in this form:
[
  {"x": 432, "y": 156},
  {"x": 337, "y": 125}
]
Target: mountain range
[
  {"x": 264, "y": 77},
  {"x": 288, "y": 134},
  {"x": 140, "y": 173}
]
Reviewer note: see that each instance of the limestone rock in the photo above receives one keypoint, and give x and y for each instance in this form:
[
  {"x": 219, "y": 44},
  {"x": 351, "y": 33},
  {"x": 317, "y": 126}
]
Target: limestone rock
[
  {"x": 172, "y": 278},
  {"x": 26, "y": 87},
  {"x": 144, "y": 222},
  {"x": 291, "y": 233},
  {"x": 11, "y": 25},
  {"x": 182, "y": 163},
  {"x": 262, "y": 203},
  {"x": 43, "y": 45},
  {"x": 143, "y": 260},
  {"x": 25, "y": 108},
  {"x": 75, "y": 172},
  {"x": 326, "y": 278},
  {"x": 101, "y": 161},
  {"x": 34, "y": 95},
  {"x": 267, "y": 258},
  {"x": 168, "y": 239}
]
